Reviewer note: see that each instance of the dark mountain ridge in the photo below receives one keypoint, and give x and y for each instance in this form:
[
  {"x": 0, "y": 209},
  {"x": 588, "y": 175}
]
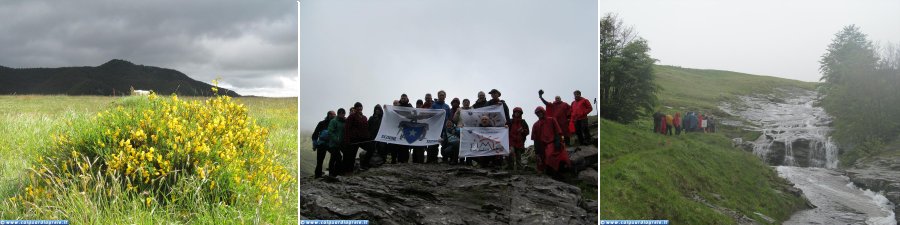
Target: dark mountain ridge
[{"x": 116, "y": 77}]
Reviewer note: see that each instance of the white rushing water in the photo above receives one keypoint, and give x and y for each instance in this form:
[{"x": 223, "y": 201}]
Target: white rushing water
[
  {"x": 837, "y": 200},
  {"x": 785, "y": 126},
  {"x": 783, "y": 123}
]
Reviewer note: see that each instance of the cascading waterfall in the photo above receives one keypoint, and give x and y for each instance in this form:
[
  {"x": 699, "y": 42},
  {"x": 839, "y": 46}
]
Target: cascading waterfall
[
  {"x": 794, "y": 131},
  {"x": 794, "y": 135},
  {"x": 789, "y": 152},
  {"x": 831, "y": 152}
]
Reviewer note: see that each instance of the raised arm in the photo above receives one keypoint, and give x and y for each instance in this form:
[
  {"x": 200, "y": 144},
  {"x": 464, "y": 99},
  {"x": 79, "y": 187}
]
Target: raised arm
[{"x": 541, "y": 95}]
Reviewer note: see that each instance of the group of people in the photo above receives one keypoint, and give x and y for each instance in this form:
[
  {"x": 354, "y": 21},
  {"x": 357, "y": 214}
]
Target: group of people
[
  {"x": 668, "y": 124},
  {"x": 342, "y": 135}
]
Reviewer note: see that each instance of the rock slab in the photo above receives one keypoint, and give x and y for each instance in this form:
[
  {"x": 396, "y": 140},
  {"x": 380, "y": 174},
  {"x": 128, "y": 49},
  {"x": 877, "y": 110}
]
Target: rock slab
[{"x": 443, "y": 194}]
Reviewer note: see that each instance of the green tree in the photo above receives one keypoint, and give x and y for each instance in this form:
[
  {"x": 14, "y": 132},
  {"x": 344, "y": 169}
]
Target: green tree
[
  {"x": 860, "y": 90},
  {"x": 627, "y": 90}
]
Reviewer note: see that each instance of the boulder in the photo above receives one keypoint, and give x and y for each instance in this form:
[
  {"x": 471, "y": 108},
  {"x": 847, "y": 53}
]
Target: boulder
[
  {"x": 878, "y": 175},
  {"x": 583, "y": 157},
  {"x": 588, "y": 176}
]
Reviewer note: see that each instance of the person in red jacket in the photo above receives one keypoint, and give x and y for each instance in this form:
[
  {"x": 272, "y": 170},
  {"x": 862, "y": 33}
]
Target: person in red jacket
[
  {"x": 518, "y": 131},
  {"x": 580, "y": 109},
  {"x": 700, "y": 123},
  {"x": 662, "y": 125},
  {"x": 560, "y": 111},
  {"x": 547, "y": 144},
  {"x": 356, "y": 135}
]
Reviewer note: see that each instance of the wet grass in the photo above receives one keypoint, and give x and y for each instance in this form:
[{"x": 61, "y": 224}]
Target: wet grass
[
  {"x": 27, "y": 123},
  {"x": 644, "y": 175},
  {"x": 649, "y": 176}
]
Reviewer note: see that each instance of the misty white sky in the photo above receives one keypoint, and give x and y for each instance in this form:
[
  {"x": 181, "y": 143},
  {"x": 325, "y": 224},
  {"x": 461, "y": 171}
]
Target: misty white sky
[
  {"x": 373, "y": 51},
  {"x": 775, "y": 38}
]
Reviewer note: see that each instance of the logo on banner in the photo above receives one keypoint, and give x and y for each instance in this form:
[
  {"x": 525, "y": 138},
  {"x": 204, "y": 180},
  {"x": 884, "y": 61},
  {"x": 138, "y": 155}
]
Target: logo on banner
[
  {"x": 486, "y": 143},
  {"x": 413, "y": 131}
]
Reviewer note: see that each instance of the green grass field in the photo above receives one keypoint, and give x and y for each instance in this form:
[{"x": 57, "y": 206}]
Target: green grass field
[
  {"x": 649, "y": 176},
  {"x": 702, "y": 90},
  {"x": 685, "y": 89},
  {"x": 27, "y": 124}
]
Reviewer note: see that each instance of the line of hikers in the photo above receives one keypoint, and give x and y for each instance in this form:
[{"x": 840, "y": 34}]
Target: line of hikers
[
  {"x": 691, "y": 122},
  {"x": 341, "y": 136}
]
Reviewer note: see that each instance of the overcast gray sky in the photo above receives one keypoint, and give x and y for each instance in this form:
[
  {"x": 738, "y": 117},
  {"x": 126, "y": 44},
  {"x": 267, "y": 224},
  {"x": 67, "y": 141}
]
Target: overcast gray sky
[
  {"x": 373, "y": 51},
  {"x": 767, "y": 37},
  {"x": 251, "y": 45}
]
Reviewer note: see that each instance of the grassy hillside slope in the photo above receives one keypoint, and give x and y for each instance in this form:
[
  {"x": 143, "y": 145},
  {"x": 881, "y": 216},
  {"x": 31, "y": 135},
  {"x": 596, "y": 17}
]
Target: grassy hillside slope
[
  {"x": 694, "y": 178},
  {"x": 648, "y": 176},
  {"x": 704, "y": 89}
]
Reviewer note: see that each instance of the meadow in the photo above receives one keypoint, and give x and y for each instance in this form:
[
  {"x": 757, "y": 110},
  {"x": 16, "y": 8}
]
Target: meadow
[
  {"x": 30, "y": 124},
  {"x": 694, "y": 178},
  {"x": 699, "y": 89}
]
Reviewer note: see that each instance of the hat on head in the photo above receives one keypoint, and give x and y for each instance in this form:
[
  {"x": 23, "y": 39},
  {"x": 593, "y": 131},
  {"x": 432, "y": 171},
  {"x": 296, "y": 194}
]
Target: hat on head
[
  {"x": 539, "y": 109},
  {"x": 517, "y": 109},
  {"x": 495, "y": 91}
]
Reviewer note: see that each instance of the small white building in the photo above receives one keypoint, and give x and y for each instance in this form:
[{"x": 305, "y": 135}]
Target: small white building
[{"x": 140, "y": 92}]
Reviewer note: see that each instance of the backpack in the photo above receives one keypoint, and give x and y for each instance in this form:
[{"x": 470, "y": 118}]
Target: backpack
[{"x": 323, "y": 138}]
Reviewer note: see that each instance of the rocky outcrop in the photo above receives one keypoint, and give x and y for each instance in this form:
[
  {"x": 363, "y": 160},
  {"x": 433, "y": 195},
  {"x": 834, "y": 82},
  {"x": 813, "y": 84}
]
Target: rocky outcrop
[
  {"x": 584, "y": 163},
  {"x": 800, "y": 152},
  {"x": 444, "y": 194},
  {"x": 879, "y": 175}
]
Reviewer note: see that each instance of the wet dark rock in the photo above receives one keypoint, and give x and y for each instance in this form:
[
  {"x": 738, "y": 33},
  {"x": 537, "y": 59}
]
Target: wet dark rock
[
  {"x": 588, "y": 176},
  {"x": 806, "y": 153},
  {"x": 443, "y": 194},
  {"x": 583, "y": 157},
  {"x": 878, "y": 175}
]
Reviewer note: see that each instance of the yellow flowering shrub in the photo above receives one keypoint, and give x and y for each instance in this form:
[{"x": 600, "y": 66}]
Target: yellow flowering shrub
[{"x": 161, "y": 150}]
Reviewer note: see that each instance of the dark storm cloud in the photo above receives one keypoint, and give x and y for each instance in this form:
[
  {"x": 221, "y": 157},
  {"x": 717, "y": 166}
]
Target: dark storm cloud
[{"x": 234, "y": 40}]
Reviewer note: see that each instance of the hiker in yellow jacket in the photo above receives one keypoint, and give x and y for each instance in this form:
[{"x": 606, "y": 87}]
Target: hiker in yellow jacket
[{"x": 670, "y": 124}]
